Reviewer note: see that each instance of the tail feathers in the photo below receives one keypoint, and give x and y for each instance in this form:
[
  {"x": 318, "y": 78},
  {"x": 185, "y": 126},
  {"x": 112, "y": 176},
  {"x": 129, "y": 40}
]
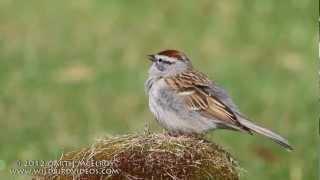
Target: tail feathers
[{"x": 266, "y": 132}]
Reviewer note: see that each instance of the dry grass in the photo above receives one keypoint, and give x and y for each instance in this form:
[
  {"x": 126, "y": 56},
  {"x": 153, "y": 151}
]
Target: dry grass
[{"x": 153, "y": 156}]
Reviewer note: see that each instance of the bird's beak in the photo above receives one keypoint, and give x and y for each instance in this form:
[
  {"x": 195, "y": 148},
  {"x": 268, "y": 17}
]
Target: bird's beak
[{"x": 151, "y": 57}]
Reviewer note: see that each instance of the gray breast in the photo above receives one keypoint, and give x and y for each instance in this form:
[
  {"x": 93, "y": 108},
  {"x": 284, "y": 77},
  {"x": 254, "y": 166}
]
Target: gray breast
[{"x": 171, "y": 112}]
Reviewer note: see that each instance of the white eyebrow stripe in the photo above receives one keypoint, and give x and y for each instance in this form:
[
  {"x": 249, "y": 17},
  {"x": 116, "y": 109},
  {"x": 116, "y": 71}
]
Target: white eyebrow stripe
[{"x": 166, "y": 58}]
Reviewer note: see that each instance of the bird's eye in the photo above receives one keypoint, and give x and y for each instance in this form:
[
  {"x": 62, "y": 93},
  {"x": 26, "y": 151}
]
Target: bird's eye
[{"x": 163, "y": 61}]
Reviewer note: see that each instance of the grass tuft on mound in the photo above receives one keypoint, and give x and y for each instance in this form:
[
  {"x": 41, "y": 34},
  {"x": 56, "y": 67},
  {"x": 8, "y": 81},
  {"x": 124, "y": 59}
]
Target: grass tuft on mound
[{"x": 147, "y": 156}]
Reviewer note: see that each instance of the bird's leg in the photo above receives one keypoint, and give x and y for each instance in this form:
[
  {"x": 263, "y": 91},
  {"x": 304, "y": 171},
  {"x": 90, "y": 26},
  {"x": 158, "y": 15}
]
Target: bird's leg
[
  {"x": 174, "y": 133},
  {"x": 146, "y": 128}
]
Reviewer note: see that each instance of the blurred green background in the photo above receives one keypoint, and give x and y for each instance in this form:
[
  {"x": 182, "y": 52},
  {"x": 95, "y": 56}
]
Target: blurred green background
[{"x": 73, "y": 71}]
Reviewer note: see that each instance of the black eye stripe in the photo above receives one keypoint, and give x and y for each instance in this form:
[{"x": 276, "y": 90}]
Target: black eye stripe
[{"x": 163, "y": 61}]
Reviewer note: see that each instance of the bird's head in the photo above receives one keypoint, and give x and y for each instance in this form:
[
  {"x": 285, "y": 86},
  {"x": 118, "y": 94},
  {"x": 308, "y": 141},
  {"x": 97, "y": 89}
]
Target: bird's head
[{"x": 168, "y": 63}]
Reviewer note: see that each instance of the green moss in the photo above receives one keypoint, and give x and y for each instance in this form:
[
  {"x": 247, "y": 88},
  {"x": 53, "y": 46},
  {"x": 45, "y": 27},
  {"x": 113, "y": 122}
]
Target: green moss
[{"x": 156, "y": 156}]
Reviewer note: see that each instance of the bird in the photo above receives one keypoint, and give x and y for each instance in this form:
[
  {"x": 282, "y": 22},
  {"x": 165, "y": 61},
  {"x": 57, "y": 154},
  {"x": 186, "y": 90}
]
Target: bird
[{"x": 185, "y": 101}]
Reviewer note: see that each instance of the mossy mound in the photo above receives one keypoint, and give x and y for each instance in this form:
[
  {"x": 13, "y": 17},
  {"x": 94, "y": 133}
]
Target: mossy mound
[{"x": 148, "y": 156}]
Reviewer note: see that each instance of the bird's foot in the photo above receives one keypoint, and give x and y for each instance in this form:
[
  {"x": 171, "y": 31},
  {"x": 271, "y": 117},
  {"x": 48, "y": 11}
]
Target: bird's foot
[
  {"x": 197, "y": 136},
  {"x": 174, "y": 134}
]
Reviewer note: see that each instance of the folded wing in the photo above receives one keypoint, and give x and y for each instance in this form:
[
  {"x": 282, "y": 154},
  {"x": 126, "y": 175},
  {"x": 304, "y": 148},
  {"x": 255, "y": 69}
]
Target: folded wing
[{"x": 193, "y": 87}]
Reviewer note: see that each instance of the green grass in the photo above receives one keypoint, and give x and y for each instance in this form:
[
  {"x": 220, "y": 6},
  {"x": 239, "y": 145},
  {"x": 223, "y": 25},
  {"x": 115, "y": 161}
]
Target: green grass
[{"x": 72, "y": 71}]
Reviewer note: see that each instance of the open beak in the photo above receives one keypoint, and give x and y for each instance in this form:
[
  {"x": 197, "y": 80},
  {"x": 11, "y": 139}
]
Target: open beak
[{"x": 151, "y": 57}]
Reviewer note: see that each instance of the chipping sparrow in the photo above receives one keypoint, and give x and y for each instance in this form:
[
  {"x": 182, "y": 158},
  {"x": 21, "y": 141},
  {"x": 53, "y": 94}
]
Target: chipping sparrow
[{"x": 185, "y": 101}]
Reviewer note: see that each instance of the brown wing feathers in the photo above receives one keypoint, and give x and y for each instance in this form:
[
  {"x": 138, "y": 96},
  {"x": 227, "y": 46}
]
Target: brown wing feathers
[{"x": 191, "y": 85}]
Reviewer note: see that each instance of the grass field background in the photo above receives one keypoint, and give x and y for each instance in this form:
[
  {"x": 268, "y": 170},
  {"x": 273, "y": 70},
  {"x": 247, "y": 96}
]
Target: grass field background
[{"x": 73, "y": 71}]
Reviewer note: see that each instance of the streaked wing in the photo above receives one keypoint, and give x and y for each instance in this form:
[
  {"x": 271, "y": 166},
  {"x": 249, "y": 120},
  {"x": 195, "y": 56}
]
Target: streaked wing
[{"x": 192, "y": 86}]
